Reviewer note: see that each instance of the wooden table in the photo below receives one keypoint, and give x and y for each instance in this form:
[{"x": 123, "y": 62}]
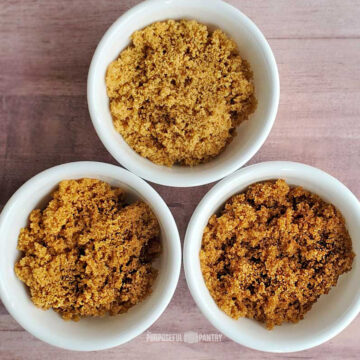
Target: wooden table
[{"x": 46, "y": 48}]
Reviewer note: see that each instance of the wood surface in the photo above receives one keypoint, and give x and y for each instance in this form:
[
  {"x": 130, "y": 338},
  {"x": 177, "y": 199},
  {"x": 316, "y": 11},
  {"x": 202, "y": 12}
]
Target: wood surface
[{"x": 46, "y": 48}]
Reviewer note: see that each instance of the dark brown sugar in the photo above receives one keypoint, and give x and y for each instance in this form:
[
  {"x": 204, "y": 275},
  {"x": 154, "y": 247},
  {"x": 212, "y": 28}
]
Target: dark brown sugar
[{"x": 273, "y": 251}]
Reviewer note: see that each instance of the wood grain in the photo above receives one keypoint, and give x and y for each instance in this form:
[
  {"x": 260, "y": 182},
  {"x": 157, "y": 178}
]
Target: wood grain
[{"x": 46, "y": 48}]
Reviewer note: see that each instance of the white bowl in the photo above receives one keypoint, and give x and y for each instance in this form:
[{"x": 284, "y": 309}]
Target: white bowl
[
  {"x": 253, "y": 47},
  {"x": 91, "y": 333},
  {"x": 331, "y": 314}
]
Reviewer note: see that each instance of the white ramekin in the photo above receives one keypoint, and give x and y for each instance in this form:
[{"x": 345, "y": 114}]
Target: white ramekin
[
  {"x": 92, "y": 333},
  {"x": 331, "y": 314},
  {"x": 253, "y": 47}
]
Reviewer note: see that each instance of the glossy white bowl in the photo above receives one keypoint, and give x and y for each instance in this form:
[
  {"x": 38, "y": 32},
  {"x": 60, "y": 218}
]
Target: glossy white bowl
[
  {"x": 253, "y": 47},
  {"x": 331, "y": 314},
  {"x": 91, "y": 333}
]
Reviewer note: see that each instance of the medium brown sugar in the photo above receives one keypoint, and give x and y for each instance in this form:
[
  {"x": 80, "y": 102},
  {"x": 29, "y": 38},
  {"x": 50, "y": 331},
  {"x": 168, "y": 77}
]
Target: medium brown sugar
[
  {"x": 273, "y": 251},
  {"x": 178, "y": 92},
  {"x": 89, "y": 253}
]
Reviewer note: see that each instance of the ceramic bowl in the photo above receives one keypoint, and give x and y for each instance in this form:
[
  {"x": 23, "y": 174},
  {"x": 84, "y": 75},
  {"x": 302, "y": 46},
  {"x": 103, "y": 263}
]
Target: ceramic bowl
[
  {"x": 89, "y": 333},
  {"x": 252, "y": 46},
  {"x": 331, "y": 314}
]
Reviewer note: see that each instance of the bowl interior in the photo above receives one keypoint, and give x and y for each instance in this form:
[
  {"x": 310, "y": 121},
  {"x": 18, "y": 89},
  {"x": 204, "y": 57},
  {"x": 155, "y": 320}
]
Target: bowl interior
[
  {"x": 91, "y": 333},
  {"x": 330, "y": 314},
  {"x": 252, "y": 46}
]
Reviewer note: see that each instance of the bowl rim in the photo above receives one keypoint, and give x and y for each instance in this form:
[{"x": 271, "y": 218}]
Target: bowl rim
[
  {"x": 226, "y": 185},
  {"x": 158, "y": 175},
  {"x": 58, "y": 173}
]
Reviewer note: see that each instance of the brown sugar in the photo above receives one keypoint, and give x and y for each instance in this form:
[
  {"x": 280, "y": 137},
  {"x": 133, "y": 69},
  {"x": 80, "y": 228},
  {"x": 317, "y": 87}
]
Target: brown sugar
[
  {"x": 178, "y": 92},
  {"x": 273, "y": 251},
  {"x": 88, "y": 253}
]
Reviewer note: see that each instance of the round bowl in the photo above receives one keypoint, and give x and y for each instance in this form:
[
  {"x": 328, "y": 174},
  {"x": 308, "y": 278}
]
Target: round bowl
[
  {"x": 331, "y": 314},
  {"x": 252, "y": 45},
  {"x": 89, "y": 333}
]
